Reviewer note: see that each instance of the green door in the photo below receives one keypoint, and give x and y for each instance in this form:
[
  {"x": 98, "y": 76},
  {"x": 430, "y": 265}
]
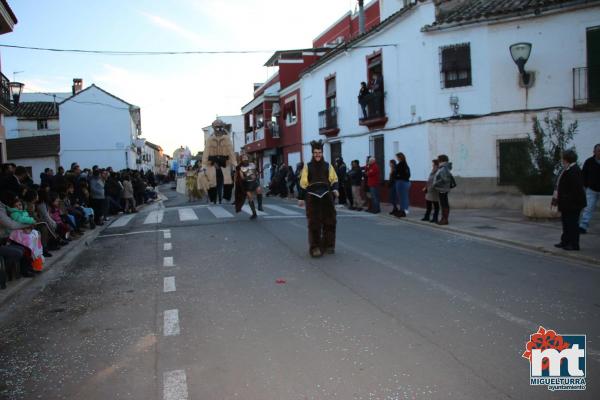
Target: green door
[{"x": 593, "y": 57}]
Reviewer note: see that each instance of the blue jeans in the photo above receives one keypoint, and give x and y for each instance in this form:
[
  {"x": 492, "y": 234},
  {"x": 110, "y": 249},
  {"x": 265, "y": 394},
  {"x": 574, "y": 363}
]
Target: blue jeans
[
  {"x": 375, "y": 207},
  {"x": 402, "y": 191},
  {"x": 592, "y": 200}
]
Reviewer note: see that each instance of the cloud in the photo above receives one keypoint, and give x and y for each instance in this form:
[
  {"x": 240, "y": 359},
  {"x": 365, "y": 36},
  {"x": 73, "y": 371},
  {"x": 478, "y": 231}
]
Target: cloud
[{"x": 172, "y": 26}]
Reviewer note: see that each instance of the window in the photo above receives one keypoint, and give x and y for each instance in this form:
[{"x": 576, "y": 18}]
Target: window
[
  {"x": 42, "y": 124},
  {"x": 455, "y": 65},
  {"x": 290, "y": 111},
  {"x": 330, "y": 89},
  {"x": 513, "y": 158}
]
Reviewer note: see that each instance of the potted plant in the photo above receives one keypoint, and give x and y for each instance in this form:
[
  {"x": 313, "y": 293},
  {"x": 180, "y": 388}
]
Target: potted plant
[{"x": 542, "y": 163}]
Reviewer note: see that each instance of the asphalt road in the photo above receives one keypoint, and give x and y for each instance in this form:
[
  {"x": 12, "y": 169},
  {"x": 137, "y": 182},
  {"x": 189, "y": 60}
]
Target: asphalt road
[{"x": 187, "y": 302}]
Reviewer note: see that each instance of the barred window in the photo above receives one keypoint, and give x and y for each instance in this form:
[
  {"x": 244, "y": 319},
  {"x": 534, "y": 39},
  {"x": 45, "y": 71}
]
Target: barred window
[{"x": 455, "y": 63}]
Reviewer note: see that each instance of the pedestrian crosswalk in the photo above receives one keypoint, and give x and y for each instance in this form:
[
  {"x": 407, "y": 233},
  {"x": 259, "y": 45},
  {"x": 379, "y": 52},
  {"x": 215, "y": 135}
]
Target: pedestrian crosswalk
[{"x": 210, "y": 212}]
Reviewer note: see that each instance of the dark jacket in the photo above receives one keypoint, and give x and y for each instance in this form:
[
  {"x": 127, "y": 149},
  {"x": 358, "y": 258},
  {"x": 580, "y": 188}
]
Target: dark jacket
[
  {"x": 571, "y": 194},
  {"x": 591, "y": 174},
  {"x": 355, "y": 176},
  {"x": 402, "y": 172}
]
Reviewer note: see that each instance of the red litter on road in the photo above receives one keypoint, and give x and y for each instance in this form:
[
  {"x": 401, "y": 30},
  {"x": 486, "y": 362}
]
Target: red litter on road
[{"x": 280, "y": 281}]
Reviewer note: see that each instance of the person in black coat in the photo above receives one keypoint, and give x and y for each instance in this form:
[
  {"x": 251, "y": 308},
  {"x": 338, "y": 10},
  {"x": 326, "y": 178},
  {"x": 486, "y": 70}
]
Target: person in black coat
[{"x": 570, "y": 199}]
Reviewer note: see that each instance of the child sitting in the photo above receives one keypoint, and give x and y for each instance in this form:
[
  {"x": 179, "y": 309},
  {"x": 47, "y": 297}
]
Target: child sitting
[{"x": 28, "y": 237}]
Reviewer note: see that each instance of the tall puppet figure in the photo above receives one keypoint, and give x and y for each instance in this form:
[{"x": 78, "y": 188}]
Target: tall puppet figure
[
  {"x": 218, "y": 148},
  {"x": 319, "y": 188},
  {"x": 247, "y": 186}
]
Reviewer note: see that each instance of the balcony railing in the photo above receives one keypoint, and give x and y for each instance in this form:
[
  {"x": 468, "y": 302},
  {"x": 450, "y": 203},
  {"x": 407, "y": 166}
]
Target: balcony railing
[
  {"x": 586, "y": 87},
  {"x": 4, "y": 91},
  {"x": 249, "y": 137},
  {"x": 260, "y": 134},
  {"x": 328, "y": 120},
  {"x": 372, "y": 107}
]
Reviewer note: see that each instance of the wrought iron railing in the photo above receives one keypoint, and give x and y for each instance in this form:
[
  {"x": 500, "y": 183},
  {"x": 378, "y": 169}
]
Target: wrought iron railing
[
  {"x": 586, "y": 86},
  {"x": 371, "y": 107},
  {"x": 4, "y": 91},
  {"x": 328, "y": 119}
]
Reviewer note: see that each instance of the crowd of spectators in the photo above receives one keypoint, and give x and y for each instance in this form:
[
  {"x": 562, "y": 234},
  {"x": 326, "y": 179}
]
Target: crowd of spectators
[{"x": 37, "y": 219}]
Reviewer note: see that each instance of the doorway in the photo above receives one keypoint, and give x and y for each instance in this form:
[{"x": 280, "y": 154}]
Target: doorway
[
  {"x": 593, "y": 64},
  {"x": 377, "y": 150}
]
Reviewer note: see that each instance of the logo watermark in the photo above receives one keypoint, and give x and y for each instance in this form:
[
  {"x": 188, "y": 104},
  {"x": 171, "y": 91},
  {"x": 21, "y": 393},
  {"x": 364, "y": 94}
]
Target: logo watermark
[{"x": 556, "y": 361}]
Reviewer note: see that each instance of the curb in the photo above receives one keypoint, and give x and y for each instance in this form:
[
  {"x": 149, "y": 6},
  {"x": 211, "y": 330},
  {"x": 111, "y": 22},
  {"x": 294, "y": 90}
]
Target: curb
[
  {"x": 59, "y": 260},
  {"x": 65, "y": 257},
  {"x": 539, "y": 249}
]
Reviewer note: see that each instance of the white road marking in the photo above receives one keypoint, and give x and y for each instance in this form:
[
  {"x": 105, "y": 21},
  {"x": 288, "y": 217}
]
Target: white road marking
[
  {"x": 167, "y": 234},
  {"x": 175, "y": 385},
  {"x": 220, "y": 212},
  {"x": 129, "y": 233},
  {"x": 187, "y": 214},
  {"x": 124, "y": 220},
  {"x": 247, "y": 210},
  {"x": 154, "y": 217},
  {"x": 169, "y": 284},
  {"x": 282, "y": 210},
  {"x": 168, "y": 262},
  {"x": 167, "y": 246},
  {"x": 171, "y": 323}
]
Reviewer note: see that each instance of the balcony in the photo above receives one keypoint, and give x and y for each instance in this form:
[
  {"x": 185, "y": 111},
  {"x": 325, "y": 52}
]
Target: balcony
[
  {"x": 260, "y": 133},
  {"x": 328, "y": 124},
  {"x": 5, "y": 92},
  {"x": 249, "y": 137},
  {"x": 275, "y": 130},
  {"x": 586, "y": 88},
  {"x": 372, "y": 111}
]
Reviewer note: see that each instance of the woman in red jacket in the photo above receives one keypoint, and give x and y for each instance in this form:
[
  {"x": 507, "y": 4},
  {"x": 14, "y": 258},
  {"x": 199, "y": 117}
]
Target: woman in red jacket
[{"x": 373, "y": 182}]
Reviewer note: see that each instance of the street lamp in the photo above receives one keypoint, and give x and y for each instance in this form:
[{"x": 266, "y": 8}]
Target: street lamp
[
  {"x": 520, "y": 53},
  {"x": 16, "y": 88}
]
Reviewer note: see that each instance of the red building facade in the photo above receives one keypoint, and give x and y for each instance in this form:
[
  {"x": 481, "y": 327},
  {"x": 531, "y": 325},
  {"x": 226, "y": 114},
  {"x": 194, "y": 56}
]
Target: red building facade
[{"x": 346, "y": 28}]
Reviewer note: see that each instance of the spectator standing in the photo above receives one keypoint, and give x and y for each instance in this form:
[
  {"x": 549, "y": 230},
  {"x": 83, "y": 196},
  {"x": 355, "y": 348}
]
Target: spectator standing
[
  {"x": 591, "y": 182},
  {"x": 342, "y": 172},
  {"x": 355, "y": 178},
  {"x": 569, "y": 196},
  {"x": 432, "y": 197},
  {"x": 282, "y": 174},
  {"x": 363, "y": 98},
  {"x": 298, "y": 172},
  {"x": 373, "y": 182},
  {"x": 128, "y": 200},
  {"x": 443, "y": 182},
  {"x": 97, "y": 196},
  {"x": 392, "y": 185},
  {"x": 402, "y": 184},
  {"x": 14, "y": 182}
]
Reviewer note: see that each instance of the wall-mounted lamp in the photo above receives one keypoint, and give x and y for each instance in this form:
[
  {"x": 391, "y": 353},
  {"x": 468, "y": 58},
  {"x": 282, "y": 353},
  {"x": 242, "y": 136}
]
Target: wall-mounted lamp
[
  {"x": 453, "y": 101},
  {"x": 520, "y": 53},
  {"x": 16, "y": 88}
]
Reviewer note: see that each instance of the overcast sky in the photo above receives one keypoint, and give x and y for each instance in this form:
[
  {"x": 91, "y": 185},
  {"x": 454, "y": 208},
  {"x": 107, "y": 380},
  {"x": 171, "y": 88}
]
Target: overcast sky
[{"x": 178, "y": 94}]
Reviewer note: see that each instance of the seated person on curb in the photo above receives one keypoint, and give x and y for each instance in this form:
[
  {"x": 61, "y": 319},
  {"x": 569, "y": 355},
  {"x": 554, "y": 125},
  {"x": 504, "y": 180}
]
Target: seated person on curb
[
  {"x": 11, "y": 253},
  {"x": 29, "y": 238}
]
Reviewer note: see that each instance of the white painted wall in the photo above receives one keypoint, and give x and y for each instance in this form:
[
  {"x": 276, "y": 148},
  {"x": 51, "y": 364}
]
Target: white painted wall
[
  {"x": 38, "y": 165},
  {"x": 97, "y": 129},
  {"x": 411, "y": 72}
]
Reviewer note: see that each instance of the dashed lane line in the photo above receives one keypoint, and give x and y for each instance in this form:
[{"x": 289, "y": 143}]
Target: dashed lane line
[
  {"x": 168, "y": 262},
  {"x": 175, "y": 385},
  {"x": 167, "y": 246},
  {"x": 169, "y": 284},
  {"x": 171, "y": 323}
]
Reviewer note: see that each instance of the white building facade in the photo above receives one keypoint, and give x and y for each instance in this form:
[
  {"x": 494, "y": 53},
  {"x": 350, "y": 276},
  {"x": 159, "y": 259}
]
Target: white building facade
[
  {"x": 451, "y": 87},
  {"x": 98, "y": 128}
]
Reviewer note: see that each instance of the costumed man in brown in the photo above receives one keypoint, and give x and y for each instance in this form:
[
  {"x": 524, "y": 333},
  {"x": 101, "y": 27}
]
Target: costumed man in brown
[
  {"x": 218, "y": 148},
  {"x": 319, "y": 188},
  {"x": 247, "y": 186}
]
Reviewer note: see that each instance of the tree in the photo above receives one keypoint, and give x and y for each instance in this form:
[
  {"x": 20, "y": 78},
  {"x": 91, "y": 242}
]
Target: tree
[{"x": 542, "y": 163}]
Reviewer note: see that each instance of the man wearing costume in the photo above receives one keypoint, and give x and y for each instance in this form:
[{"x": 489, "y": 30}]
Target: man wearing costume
[
  {"x": 218, "y": 148},
  {"x": 318, "y": 189},
  {"x": 247, "y": 186}
]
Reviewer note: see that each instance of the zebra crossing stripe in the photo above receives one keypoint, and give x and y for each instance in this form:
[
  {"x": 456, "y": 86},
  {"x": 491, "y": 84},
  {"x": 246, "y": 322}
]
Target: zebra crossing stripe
[
  {"x": 175, "y": 385},
  {"x": 220, "y": 212},
  {"x": 247, "y": 210},
  {"x": 281, "y": 210},
  {"x": 124, "y": 220},
  {"x": 187, "y": 214},
  {"x": 154, "y": 217}
]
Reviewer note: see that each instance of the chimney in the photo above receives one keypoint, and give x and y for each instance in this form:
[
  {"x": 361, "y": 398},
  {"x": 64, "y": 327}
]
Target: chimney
[
  {"x": 444, "y": 7},
  {"x": 77, "y": 85},
  {"x": 361, "y": 17}
]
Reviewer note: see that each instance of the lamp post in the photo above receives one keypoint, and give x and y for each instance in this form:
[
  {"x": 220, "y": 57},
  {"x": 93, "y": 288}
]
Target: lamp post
[
  {"x": 520, "y": 53},
  {"x": 16, "y": 88}
]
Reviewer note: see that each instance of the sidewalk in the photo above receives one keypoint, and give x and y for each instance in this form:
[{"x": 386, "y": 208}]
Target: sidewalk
[{"x": 511, "y": 227}]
